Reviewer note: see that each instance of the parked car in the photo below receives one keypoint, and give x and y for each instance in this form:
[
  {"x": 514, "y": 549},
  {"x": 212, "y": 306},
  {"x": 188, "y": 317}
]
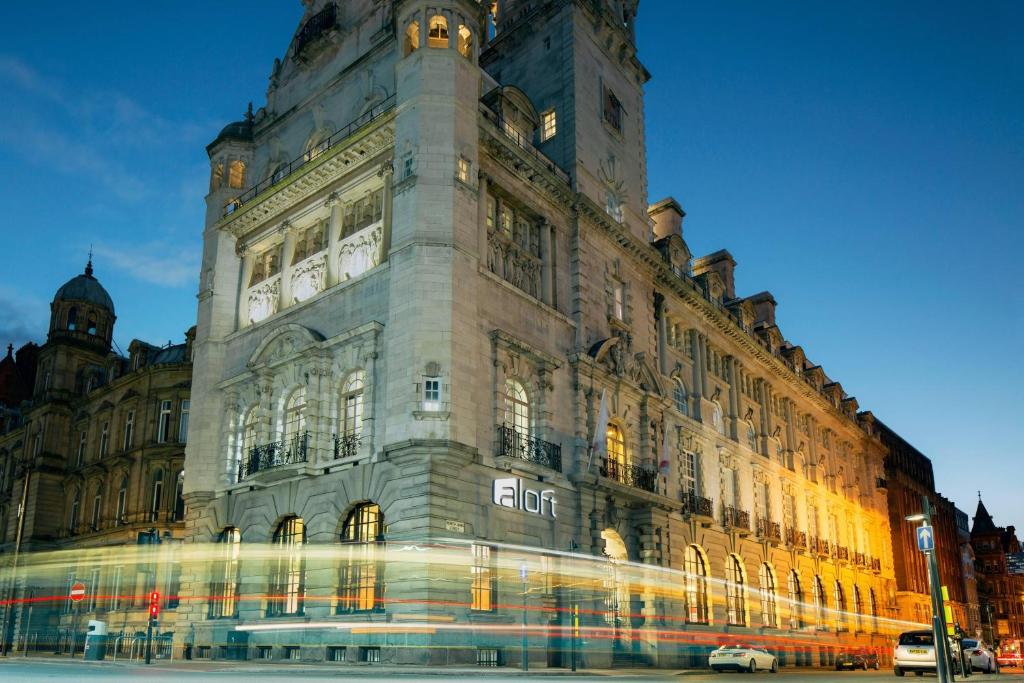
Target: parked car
[
  {"x": 857, "y": 660},
  {"x": 915, "y": 652},
  {"x": 1010, "y": 658},
  {"x": 742, "y": 658},
  {"x": 981, "y": 655}
]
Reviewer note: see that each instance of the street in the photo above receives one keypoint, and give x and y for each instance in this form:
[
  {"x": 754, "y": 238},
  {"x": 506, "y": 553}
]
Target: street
[{"x": 17, "y": 669}]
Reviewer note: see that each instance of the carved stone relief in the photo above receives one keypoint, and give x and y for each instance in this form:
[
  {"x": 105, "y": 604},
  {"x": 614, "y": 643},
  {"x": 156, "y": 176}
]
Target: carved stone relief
[
  {"x": 309, "y": 278},
  {"x": 264, "y": 299},
  {"x": 359, "y": 253}
]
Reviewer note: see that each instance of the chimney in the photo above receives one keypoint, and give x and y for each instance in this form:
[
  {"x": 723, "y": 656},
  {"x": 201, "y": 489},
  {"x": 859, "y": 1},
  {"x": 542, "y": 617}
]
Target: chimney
[
  {"x": 720, "y": 262},
  {"x": 764, "y": 308},
  {"x": 668, "y": 218}
]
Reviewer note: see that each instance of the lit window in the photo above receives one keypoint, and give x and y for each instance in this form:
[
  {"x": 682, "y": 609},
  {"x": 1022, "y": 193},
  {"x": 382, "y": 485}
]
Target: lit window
[
  {"x": 517, "y": 408},
  {"x": 618, "y": 300},
  {"x": 769, "y": 609},
  {"x": 616, "y": 446},
  {"x": 484, "y": 587},
  {"x": 735, "y": 595},
  {"x": 236, "y": 174},
  {"x": 352, "y": 406},
  {"x": 548, "y": 125},
  {"x": 361, "y": 585},
  {"x": 288, "y": 580},
  {"x": 462, "y": 172},
  {"x": 696, "y": 586},
  {"x": 224, "y": 591},
  {"x": 438, "y": 34}
]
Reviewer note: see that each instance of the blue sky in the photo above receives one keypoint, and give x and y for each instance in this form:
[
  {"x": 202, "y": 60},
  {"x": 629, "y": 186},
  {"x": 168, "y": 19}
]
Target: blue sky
[{"x": 862, "y": 161}]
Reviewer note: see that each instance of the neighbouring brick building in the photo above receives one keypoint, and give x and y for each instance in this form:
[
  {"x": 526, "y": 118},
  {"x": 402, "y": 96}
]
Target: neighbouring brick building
[{"x": 1000, "y": 593}]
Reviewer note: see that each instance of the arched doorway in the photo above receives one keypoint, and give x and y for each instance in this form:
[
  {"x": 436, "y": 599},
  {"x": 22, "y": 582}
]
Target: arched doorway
[{"x": 617, "y": 607}]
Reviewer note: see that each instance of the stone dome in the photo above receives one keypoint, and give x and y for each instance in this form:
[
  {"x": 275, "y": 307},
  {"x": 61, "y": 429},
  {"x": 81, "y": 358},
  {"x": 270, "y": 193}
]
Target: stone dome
[{"x": 86, "y": 288}]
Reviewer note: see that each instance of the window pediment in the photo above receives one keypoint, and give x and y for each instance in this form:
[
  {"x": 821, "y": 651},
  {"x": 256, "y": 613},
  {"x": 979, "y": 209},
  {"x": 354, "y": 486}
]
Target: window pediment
[{"x": 285, "y": 342}]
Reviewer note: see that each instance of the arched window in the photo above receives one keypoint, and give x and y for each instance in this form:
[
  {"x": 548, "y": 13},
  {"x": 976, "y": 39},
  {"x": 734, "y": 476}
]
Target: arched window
[
  {"x": 73, "y": 517},
  {"x": 361, "y": 581},
  {"x": 224, "y": 575},
  {"x": 735, "y": 592},
  {"x": 156, "y": 494},
  {"x": 294, "y": 424},
  {"x": 858, "y": 610},
  {"x": 769, "y": 608},
  {"x": 616, "y": 446},
  {"x": 97, "y": 507},
  {"x": 352, "y": 405},
  {"x": 122, "y": 500},
  {"x": 840, "y": 601},
  {"x": 72, "y": 318},
  {"x": 247, "y": 440},
  {"x": 438, "y": 35},
  {"x": 818, "y": 595},
  {"x": 236, "y": 174},
  {"x": 216, "y": 176},
  {"x": 517, "y": 408},
  {"x": 465, "y": 41},
  {"x": 412, "y": 39},
  {"x": 716, "y": 418},
  {"x": 679, "y": 397},
  {"x": 179, "y": 497},
  {"x": 751, "y": 437},
  {"x": 696, "y": 586},
  {"x": 91, "y": 329},
  {"x": 796, "y": 599},
  {"x": 288, "y": 577}
]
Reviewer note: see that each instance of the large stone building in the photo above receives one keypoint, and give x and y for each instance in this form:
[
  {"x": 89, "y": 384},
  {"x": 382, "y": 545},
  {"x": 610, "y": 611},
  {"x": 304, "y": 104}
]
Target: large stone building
[
  {"x": 1000, "y": 593},
  {"x": 430, "y": 274},
  {"x": 91, "y": 456}
]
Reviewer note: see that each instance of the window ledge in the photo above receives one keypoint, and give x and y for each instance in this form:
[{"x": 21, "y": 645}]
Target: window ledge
[{"x": 431, "y": 414}]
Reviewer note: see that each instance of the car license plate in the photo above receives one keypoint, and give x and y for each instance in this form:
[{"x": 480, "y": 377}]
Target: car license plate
[{"x": 918, "y": 652}]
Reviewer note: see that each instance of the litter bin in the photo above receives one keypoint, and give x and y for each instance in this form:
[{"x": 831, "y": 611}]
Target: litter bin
[
  {"x": 95, "y": 641},
  {"x": 238, "y": 645}
]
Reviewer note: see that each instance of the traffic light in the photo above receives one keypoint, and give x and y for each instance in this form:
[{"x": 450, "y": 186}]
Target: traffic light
[{"x": 154, "y": 604}]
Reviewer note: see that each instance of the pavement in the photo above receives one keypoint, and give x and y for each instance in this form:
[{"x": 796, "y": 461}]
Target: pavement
[{"x": 31, "y": 669}]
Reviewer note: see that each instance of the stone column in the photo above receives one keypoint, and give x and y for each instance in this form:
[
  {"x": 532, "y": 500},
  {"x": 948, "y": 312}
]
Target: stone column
[
  {"x": 333, "y": 234},
  {"x": 452, "y": 28},
  {"x": 228, "y": 445},
  {"x": 734, "y": 370},
  {"x": 424, "y": 26},
  {"x": 387, "y": 173},
  {"x": 481, "y": 216},
  {"x": 287, "y": 254},
  {"x": 248, "y": 261},
  {"x": 547, "y": 266},
  {"x": 659, "y": 315}
]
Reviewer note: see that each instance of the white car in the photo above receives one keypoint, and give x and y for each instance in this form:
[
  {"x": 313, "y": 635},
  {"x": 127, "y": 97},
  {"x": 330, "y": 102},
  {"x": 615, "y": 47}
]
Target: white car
[
  {"x": 982, "y": 657},
  {"x": 742, "y": 658},
  {"x": 915, "y": 651}
]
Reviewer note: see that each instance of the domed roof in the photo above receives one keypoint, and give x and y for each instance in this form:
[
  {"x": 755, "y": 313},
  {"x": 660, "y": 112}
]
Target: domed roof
[
  {"x": 86, "y": 288},
  {"x": 239, "y": 130}
]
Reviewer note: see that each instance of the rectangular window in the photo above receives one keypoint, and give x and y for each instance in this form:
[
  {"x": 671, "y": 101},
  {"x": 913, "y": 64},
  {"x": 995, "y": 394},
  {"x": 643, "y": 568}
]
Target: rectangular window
[
  {"x": 762, "y": 501},
  {"x": 612, "y": 110},
  {"x": 812, "y": 520},
  {"x": 507, "y": 221},
  {"x": 462, "y": 171},
  {"x": 689, "y": 474},
  {"x": 336, "y": 653},
  {"x": 618, "y": 300},
  {"x": 369, "y": 655},
  {"x": 264, "y": 652},
  {"x": 163, "y": 425},
  {"x": 492, "y": 211},
  {"x": 432, "y": 394},
  {"x": 115, "y": 588},
  {"x": 82, "y": 438},
  {"x": 291, "y": 652},
  {"x": 485, "y": 585},
  {"x": 104, "y": 439},
  {"x": 129, "y": 428},
  {"x": 183, "y": 421},
  {"x": 788, "y": 511},
  {"x": 548, "y": 125},
  {"x": 94, "y": 589}
]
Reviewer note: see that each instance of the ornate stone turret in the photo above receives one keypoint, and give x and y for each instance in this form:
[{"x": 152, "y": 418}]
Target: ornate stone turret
[{"x": 82, "y": 311}]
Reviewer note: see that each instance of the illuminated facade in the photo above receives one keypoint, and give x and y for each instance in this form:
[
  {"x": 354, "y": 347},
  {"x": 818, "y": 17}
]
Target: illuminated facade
[
  {"x": 426, "y": 259},
  {"x": 93, "y": 455},
  {"x": 1000, "y": 593}
]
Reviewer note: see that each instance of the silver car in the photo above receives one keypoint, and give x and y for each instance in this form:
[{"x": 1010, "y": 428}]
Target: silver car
[
  {"x": 915, "y": 652},
  {"x": 742, "y": 658},
  {"x": 981, "y": 655}
]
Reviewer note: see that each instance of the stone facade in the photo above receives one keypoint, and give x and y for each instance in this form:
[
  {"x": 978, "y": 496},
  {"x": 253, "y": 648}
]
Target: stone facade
[
  {"x": 93, "y": 455},
  {"x": 428, "y": 261}
]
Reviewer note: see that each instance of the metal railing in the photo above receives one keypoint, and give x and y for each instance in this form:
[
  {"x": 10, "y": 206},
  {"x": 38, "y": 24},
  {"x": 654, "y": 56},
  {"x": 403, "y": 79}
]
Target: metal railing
[
  {"x": 768, "y": 529},
  {"x": 514, "y": 444},
  {"x": 697, "y": 505},
  {"x": 735, "y": 518},
  {"x": 797, "y": 539},
  {"x": 630, "y": 475},
  {"x": 516, "y": 136},
  {"x": 287, "y": 169},
  {"x": 876, "y": 564},
  {"x": 842, "y": 552},
  {"x": 346, "y": 445},
  {"x": 274, "y": 454},
  {"x": 319, "y": 24}
]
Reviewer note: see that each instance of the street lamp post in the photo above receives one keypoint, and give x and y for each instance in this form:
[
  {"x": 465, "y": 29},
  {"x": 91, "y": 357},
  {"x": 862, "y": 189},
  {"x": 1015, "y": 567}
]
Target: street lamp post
[{"x": 938, "y": 614}]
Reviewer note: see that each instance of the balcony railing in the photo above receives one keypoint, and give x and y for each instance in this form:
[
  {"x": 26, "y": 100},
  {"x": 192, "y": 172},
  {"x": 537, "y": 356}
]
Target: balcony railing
[
  {"x": 631, "y": 475},
  {"x": 769, "y": 530},
  {"x": 819, "y": 546},
  {"x": 859, "y": 559},
  {"x": 274, "y": 454},
  {"x": 842, "y": 553},
  {"x": 797, "y": 539},
  {"x": 735, "y": 518},
  {"x": 291, "y": 167},
  {"x": 346, "y": 445},
  {"x": 876, "y": 564},
  {"x": 319, "y": 24},
  {"x": 514, "y": 444},
  {"x": 697, "y": 505}
]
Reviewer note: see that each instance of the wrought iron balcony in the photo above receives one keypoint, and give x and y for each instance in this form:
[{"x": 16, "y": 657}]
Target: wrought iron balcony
[
  {"x": 514, "y": 444},
  {"x": 797, "y": 539},
  {"x": 697, "y": 505},
  {"x": 630, "y": 475},
  {"x": 876, "y": 564},
  {"x": 274, "y": 454},
  {"x": 769, "y": 530},
  {"x": 859, "y": 559},
  {"x": 318, "y": 24},
  {"x": 819, "y": 546},
  {"x": 346, "y": 445},
  {"x": 735, "y": 518},
  {"x": 842, "y": 553}
]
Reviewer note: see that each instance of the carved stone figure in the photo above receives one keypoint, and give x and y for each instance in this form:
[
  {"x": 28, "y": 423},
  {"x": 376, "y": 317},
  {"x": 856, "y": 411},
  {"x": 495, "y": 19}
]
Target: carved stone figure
[{"x": 263, "y": 300}]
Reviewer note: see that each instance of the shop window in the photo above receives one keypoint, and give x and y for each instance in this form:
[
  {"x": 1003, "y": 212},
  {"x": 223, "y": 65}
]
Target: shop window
[{"x": 484, "y": 587}]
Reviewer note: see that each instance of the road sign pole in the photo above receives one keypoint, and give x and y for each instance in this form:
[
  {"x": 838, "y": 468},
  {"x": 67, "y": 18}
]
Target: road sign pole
[{"x": 938, "y": 614}]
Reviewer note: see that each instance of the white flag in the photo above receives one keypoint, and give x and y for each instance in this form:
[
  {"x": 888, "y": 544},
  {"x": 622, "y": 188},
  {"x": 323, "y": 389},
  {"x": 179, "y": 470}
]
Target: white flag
[{"x": 599, "y": 441}]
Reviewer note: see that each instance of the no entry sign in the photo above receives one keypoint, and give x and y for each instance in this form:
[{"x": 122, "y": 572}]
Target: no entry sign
[{"x": 77, "y": 592}]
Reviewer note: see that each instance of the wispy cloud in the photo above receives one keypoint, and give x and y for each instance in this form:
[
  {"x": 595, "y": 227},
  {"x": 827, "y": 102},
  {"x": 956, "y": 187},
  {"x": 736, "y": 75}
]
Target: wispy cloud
[
  {"x": 22, "y": 318},
  {"x": 155, "y": 263}
]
